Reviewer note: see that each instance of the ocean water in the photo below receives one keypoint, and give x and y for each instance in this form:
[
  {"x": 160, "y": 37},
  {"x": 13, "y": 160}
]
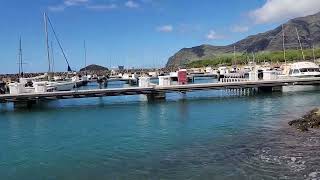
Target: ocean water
[{"x": 201, "y": 135}]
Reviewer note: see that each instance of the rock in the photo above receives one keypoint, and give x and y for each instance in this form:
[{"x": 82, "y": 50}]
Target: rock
[
  {"x": 310, "y": 120},
  {"x": 94, "y": 67},
  {"x": 313, "y": 174}
]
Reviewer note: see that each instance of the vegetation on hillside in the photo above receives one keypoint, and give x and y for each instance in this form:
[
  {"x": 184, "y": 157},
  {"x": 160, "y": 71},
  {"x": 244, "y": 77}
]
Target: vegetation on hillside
[{"x": 273, "y": 57}]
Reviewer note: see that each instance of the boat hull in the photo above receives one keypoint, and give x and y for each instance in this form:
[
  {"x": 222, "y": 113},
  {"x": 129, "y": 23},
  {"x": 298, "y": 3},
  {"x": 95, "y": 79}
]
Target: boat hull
[{"x": 62, "y": 86}]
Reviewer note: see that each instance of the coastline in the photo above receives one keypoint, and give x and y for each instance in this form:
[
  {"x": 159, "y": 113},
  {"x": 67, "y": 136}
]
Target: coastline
[{"x": 308, "y": 121}]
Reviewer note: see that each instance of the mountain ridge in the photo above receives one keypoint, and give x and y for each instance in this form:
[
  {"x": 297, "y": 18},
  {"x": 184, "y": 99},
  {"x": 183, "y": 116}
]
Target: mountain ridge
[{"x": 308, "y": 28}]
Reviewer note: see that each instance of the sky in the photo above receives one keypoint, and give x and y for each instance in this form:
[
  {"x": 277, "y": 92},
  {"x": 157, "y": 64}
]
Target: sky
[{"x": 133, "y": 33}]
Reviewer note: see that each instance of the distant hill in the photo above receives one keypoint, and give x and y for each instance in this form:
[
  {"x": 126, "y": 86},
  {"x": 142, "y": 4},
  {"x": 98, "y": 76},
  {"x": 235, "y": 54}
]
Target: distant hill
[
  {"x": 308, "y": 27},
  {"x": 94, "y": 67}
]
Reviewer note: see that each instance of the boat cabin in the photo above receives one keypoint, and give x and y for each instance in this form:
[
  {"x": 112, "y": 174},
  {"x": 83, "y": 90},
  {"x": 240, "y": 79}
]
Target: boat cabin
[{"x": 304, "y": 69}]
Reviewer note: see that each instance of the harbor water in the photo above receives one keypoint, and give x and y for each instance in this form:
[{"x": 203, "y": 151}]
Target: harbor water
[{"x": 200, "y": 135}]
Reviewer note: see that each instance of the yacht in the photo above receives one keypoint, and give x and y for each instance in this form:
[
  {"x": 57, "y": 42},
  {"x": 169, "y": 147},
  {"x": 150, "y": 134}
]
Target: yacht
[
  {"x": 61, "y": 85},
  {"x": 304, "y": 69},
  {"x": 52, "y": 85}
]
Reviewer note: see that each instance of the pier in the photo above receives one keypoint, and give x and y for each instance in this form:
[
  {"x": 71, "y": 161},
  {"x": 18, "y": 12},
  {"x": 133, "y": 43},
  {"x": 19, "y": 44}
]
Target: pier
[{"x": 155, "y": 92}]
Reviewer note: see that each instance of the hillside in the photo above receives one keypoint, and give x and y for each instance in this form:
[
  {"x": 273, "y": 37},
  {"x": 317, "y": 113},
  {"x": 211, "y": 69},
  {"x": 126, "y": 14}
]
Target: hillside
[
  {"x": 308, "y": 27},
  {"x": 94, "y": 67}
]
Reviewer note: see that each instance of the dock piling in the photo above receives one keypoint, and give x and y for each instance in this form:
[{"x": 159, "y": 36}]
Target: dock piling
[
  {"x": 24, "y": 104},
  {"x": 156, "y": 96},
  {"x": 268, "y": 89}
]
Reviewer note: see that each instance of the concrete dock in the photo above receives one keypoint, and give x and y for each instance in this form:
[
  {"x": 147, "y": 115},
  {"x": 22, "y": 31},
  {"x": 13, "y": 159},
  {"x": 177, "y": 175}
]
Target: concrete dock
[{"x": 158, "y": 92}]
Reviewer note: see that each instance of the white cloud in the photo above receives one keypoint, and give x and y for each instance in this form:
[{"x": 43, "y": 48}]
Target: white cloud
[
  {"x": 239, "y": 29},
  {"x": 131, "y": 4},
  {"x": 75, "y": 2},
  {"x": 102, "y": 7},
  {"x": 57, "y": 8},
  {"x": 68, "y": 3},
  {"x": 165, "y": 28},
  {"x": 212, "y": 35},
  {"x": 279, "y": 10},
  {"x": 82, "y": 3}
]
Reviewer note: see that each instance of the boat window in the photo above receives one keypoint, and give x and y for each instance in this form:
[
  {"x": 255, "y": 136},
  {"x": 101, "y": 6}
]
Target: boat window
[
  {"x": 304, "y": 70},
  {"x": 313, "y": 70},
  {"x": 290, "y": 72},
  {"x": 296, "y": 71}
]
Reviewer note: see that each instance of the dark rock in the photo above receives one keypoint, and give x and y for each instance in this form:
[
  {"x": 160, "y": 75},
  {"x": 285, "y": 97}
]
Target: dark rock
[
  {"x": 310, "y": 120},
  {"x": 94, "y": 67}
]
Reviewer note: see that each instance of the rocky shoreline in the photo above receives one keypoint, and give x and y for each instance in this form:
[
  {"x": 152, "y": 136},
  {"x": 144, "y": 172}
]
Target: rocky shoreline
[{"x": 309, "y": 120}]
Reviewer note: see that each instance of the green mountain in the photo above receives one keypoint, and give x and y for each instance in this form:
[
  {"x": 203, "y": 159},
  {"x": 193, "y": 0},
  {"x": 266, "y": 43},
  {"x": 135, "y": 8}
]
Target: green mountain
[{"x": 308, "y": 28}]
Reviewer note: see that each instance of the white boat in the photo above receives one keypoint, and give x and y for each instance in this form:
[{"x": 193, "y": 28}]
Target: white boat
[
  {"x": 61, "y": 85},
  {"x": 304, "y": 69},
  {"x": 223, "y": 70}
]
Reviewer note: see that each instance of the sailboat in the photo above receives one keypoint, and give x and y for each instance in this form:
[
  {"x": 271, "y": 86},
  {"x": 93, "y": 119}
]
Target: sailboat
[
  {"x": 56, "y": 85},
  {"x": 304, "y": 68}
]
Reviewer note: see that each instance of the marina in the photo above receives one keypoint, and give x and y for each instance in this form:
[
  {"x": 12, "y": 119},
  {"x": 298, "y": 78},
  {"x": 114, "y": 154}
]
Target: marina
[
  {"x": 193, "y": 133},
  {"x": 148, "y": 89},
  {"x": 158, "y": 92}
]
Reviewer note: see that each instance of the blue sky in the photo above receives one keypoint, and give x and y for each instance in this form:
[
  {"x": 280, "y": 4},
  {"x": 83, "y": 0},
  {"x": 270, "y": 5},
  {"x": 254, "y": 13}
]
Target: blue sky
[{"x": 134, "y": 33}]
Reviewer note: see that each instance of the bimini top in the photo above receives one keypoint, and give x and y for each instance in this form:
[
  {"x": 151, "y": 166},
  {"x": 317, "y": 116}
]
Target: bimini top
[{"x": 304, "y": 65}]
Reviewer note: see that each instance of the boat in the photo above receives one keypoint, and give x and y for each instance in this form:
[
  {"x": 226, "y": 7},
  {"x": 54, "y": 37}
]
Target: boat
[
  {"x": 223, "y": 70},
  {"x": 57, "y": 83},
  {"x": 61, "y": 85},
  {"x": 304, "y": 69}
]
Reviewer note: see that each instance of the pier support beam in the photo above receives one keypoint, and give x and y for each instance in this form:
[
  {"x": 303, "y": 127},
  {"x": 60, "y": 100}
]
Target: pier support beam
[
  {"x": 270, "y": 89},
  {"x": 24, "y": 104},
  {"x": 156, "y": 96},
  {"x": 132, "y": 82}
]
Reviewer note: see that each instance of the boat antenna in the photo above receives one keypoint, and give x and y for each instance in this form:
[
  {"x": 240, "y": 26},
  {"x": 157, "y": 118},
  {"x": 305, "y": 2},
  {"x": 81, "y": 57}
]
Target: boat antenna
[
  {"x": 55, "y": 35},
  {"x": 283, "y": 46},
  {"x": 300, "y": 45},
  {"x": 45, "y": 18}
]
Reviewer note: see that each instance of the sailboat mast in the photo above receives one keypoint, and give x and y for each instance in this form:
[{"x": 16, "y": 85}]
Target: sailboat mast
[
  {"x": 234, "y": 54},
  {"x": 85, "y": 56},
  {"x": 300, "y": 45},
  {"x": 47, "y": 39},
  {"x": 52, "y": 57},
  {"x": 313, "y": 53},
  {"x": 254, "y": 58},
  {"x": 20, "y": 58},
  {"x": 283, "y": 46}
]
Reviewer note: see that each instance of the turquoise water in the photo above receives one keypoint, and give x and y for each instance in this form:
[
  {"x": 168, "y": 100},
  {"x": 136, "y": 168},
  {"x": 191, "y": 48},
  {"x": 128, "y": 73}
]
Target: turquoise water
[{"x": 203, "y": 135}]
